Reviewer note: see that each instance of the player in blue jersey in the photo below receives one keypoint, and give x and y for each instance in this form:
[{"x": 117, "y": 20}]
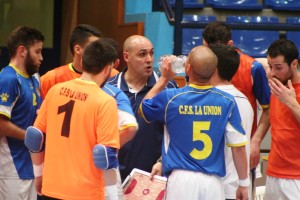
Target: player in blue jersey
[
  {"x": 19, "y": 101},
  {"x": 198, "y": 120}
]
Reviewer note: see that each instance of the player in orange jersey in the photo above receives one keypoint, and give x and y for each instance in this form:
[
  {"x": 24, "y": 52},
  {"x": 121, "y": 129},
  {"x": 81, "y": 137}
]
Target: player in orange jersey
[
  {"x": 283, "y": 177},
  {"x": 81, "y": 36},
  {"x": 80, "y": 122}
]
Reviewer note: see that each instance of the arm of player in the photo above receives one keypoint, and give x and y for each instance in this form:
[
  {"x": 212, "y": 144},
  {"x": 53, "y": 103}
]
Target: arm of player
[
  {"x": 166, "y": 75},
  {"x": 38, "y": 167},
  {"x": 127, "y": 134},
  {"x": 7, "y": 128},
  {"x": 105, "y": 157},
  {"x": 261, "y": 91},
  {"x": 241, "y": 165},
  {"x": 35, "y": 142},
  {"x": 258, "y": 136}
]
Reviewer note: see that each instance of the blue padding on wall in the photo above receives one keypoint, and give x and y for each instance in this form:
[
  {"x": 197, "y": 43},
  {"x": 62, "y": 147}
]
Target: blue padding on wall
[
  {"x": 294, "y": 35},
  {"x": 192, "y": 37},
  {"x": 289, "y": 5},
  {"x": 253, "y": 42},
  {"x": 235, "y": 5}
]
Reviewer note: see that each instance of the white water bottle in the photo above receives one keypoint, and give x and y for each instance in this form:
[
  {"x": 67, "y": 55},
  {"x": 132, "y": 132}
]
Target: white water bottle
[{"x": 178, "y": 64}]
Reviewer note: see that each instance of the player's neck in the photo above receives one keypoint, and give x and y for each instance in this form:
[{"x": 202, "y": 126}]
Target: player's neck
[
  {"x": 77, "y": 65},
  {"x": 19, "y": 64},
  {"x": 92, "y": 78},
  {"x": 199, "y": 83},
  {"x": 295, "y": 78}
]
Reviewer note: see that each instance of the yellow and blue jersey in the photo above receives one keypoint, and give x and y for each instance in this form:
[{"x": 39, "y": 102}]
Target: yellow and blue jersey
[
  {"x": 19, "y": 100},
  {"x": 197, "y": 120}
]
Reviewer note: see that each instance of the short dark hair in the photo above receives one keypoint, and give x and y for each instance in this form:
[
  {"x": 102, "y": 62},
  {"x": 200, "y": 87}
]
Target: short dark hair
[
  {"x": 228, "y": 60},
  {"x": 25, "y": 36},
  {"x": 97, "y": 55},
  {"x": 112, "y": 42},
  {"x": 284, "y": 47},
  {"x": 80, "y": 35},
  {"x": 216, "y": 33}
]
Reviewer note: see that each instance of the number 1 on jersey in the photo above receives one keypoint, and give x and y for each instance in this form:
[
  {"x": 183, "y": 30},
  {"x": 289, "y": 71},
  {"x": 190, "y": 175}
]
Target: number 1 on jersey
[{"x": 68, "y": 109}]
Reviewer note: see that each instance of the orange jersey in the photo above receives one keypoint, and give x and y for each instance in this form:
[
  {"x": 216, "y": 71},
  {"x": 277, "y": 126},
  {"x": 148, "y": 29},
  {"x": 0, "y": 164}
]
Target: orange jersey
[
  {"x": 242, "y": 80},
  {"x": 76, "y": 115},
  {"x": 284, "y": 158},
  {"x": 59, "y": 75},
  {"x": 114, "y": 72},
  {"x": 252, "y": 81}
]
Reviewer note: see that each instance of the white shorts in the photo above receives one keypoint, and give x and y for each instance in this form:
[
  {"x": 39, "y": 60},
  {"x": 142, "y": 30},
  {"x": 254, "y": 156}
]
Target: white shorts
[
  {"x": 282, "y": 189},
  {"x": 183, "y": 184},
  {"x": 113, "y": 185},
  {"x": 17, "y": 189}
]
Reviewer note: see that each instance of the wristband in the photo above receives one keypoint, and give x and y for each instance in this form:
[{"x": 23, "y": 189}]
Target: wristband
[
  {"x": 38, "y": 170},
  {"x": 244, "y": 183}
]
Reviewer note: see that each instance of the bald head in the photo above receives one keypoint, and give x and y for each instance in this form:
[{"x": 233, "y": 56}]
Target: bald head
[
  {"x": 203, "y": 63},
  {"x": 134, "y": 40}
]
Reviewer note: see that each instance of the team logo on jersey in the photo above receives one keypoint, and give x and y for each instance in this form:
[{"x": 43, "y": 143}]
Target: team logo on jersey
[
  {"x": 4, "y": 97},
  {"x": 31, "y": 87}
]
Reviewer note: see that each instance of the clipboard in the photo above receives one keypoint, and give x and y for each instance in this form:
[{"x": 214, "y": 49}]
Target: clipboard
[{"x": 138, "y": 185}]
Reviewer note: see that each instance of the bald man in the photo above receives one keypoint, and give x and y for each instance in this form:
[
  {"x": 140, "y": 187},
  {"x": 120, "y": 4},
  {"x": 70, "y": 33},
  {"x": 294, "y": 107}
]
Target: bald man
[
  {"x": 136, "y": 81},
  {"x": 198, "y": 119}
]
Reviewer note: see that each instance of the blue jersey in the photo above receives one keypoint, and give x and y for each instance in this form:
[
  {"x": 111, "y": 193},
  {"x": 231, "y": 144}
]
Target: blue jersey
[
  {"x": 126, "y": 117},
  {"x": 196, "y": 118},
  {"x": 261, "y": 89},
  {"x": 19, "y": 100}
]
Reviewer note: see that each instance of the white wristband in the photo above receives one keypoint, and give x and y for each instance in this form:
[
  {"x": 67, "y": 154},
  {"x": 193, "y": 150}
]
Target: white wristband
[
  {"x": 244, "y": 183},
  {"x": 38, "y": 170}
]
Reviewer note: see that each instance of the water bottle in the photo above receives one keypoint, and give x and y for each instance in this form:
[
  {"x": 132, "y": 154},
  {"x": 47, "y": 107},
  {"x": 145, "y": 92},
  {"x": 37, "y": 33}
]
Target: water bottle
[{"x": 177, "y": 63}]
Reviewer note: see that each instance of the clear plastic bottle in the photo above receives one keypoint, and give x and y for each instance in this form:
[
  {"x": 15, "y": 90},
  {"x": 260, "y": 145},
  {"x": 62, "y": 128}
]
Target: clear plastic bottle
[{"x": 177, "y": 63}]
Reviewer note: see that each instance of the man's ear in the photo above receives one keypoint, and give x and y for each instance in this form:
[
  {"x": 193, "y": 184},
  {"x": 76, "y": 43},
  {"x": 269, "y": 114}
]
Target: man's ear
[
  {"x": 188, "y": 69},
  {"x": 126, "y": 56},
  {"x": 230, "y": 43},
  {"x": 107, "y": 69},
  {"x": 22, "y": 51},
  {"x": 294, "y": 64},
  {"x": 117, "y": 63},
  {"x": 77, "y": 49}
]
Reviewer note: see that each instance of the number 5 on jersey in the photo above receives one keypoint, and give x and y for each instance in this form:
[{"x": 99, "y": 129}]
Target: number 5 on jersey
[{"x": 203, "y": 137}]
